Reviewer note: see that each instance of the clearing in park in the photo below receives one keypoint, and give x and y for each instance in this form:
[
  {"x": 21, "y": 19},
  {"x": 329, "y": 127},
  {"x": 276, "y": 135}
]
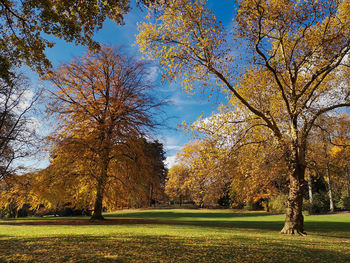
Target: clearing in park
[{"x": 174, "y": 235}]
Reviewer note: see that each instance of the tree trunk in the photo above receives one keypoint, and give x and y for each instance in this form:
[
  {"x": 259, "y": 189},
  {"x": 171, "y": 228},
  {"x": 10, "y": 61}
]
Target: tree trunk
[
  {"x": 309, "y": 185},
  {"x": 294, "y": 223},
  {"x": 330, "y": 194},
  {"x": 97, "y": 215},
  {"x": 150, "y": 195},
  {"x": 104, "y": 152},
  {"x": 348, "y": 174}
]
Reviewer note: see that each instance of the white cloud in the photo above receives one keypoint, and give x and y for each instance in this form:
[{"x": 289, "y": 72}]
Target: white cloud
[
  {"x": 34, "y": 124},
  {"x": 153, "y": 74},
  {"x": 171, "y": 143},
  {"x": 171, "y": 161},
  {"x": 177, "y": 100},
  {"x": 18, "y": 101},
  {"x": 168, "y": 140},
  {"x": 173, "y": 147},
  {"x": 26, "y": 99}
]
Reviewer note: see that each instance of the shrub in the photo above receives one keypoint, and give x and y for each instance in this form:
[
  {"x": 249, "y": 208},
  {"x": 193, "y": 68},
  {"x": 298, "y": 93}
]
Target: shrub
[
  {"x": 344, "y": 202},
  {"x": 253, "y": 206},
  {"x": 42, "y": 211},
  {"x": 320, "y": 203},
  {"x": 278, "y": 203}
]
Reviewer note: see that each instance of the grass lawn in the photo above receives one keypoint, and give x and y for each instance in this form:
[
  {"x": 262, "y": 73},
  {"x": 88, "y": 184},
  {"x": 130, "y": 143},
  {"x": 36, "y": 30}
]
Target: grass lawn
[{"x": 175, "y": 236}]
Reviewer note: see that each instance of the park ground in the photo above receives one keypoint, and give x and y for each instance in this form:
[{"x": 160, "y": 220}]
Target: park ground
[{"x": 174, "y": 235}]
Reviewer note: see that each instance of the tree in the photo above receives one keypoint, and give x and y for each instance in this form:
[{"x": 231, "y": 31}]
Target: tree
[
  {"x": 249, "y": 154},
  {"x": 25, "y": 26},
  {"x": 102, "y": 105},
  {"x": 176, "y": 187},
  {"x": 18, "y": 137},
  {"x": 331, "y": 159},
  {"x": 15, "y": 194},
  {"x": 70, "y": 179},
  {"x": 157, "y": 172},
  {"x": 203, "y": 173},
  {"x": 297, "y": 72},
  {"x": 206, "y": 176}
]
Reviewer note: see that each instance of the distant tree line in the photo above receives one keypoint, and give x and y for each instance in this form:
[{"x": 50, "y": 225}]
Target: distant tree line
[{"x": 215, "y": 173}]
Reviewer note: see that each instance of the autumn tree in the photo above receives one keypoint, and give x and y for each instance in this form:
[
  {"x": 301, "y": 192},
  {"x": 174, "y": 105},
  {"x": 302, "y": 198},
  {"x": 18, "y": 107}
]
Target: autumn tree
[
  {"x": 248, "y": 152},
  {"x": 141, "y": 175},
  {"x": 25, "y": 26},
  {"x": 101, "y": 101},
  {"x": 340, "y": 153},
  {"x": 18, "y": 135},
  {"x": 155, "y": 167},
  {"x": 246, "y": 156},
  {"x": 15, "y": 194},
  {"x": 19, "y": 139},
  {"x": 69, "y": 180},
  {"x": 329, "y": 154},
  {"x": 175, "y": 186},
  {"x": 297, "y": 71},
  {"x": 202, "y": 173},
  {"x": 207, "y": 170}
]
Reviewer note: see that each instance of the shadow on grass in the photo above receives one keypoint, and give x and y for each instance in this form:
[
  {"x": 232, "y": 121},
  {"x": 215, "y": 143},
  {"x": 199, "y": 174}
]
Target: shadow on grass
[
  {"x": 337, "y": 229},
  {"x": 177, "y": 214},
  {"x": 152, "y": 248}
]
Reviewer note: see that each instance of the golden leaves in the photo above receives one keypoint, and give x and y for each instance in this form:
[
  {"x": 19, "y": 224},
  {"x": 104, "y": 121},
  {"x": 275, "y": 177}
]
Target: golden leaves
[
  {"x": 201, "y": 174},
  {"x": 185, "y": 38}
]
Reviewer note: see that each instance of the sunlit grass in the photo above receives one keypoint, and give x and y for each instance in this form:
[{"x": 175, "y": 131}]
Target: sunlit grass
[{"x": 176, "y": 236}]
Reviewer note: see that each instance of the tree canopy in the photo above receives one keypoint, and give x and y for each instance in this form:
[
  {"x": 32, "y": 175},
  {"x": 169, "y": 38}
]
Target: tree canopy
[
  {"x": 25, "y": 27},
  {"x": 298, "y": 68},
  {"x": 18, "y": 135},
  {"x": 104, "y": 108}
]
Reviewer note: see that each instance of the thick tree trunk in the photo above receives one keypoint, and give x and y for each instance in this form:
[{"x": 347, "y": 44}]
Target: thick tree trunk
[
  {"x": 97, "y": 215},
  {"x": 104, "y": 151},
  {"x": 294, "y": 223}
]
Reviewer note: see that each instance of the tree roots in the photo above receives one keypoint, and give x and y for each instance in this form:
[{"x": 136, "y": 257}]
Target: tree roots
[{"x": 293, "y": 231}]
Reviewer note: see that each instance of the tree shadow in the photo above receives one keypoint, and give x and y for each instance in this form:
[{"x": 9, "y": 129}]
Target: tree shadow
[
  {"x": 178, "y": 215},
  {"x": 163, "y": 248},
  {"x": 335, "y": 229}
]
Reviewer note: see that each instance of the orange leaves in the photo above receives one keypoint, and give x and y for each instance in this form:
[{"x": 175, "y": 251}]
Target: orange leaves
[
  {"x": 97, "y": 93},
  {"x": 103, "y": 108}
]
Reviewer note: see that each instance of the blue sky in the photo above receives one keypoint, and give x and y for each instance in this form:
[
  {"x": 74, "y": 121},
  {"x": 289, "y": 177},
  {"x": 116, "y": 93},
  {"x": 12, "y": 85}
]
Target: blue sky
[{"x": 183, "y": 107}]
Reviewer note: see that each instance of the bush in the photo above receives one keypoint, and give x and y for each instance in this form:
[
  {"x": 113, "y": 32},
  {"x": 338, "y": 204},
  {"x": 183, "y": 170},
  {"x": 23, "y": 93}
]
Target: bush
[
  {"x": 71, "y": 211},
  {"x": 344, "y": 202},
  {"x": 253, "y": 206},
  {"x": 248, "y": 207},
  {"x": 320, "y": 203},
  {"x": 278, "y": 203},
  {"x": 42, "y": 211}
]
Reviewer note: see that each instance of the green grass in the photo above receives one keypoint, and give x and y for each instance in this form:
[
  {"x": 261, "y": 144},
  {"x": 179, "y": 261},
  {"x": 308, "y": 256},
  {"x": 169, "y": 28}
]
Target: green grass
[{"x": 175, "y": 236}]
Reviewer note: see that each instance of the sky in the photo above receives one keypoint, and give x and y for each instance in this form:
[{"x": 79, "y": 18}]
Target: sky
[{"x": 182, "y": 107}]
